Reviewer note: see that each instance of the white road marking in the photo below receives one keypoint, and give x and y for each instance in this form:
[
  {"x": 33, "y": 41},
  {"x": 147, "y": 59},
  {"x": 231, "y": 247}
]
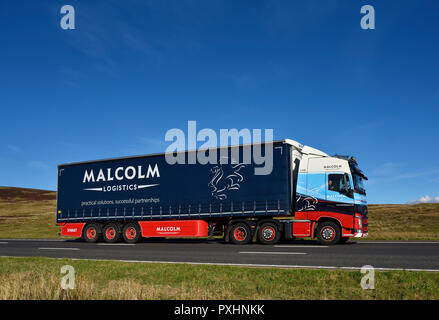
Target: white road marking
[
  {"x": 287, "y": 266},
  {"x": 58, "y": 249},
  {"x": 116, "y": 244},
  {"x": 272, "y": 252},
  {"x": 398, "y": 242},
  {"x": 3, "y": 242},
  {"x": 298, "y": 246}
]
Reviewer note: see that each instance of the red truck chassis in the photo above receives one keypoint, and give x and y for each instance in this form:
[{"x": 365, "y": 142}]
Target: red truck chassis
[{"x": 327, "y": 227}]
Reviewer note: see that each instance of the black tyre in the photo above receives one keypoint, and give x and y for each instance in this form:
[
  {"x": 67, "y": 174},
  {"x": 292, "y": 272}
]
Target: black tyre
[
  {"x": 328, "y": 233},
  {"x": 91, "y": 233},
  {"x": 240, "y": 233},
  {"x": 344, "y": 239},
  {"x": 268, "y": 233},
  {"x": 111, "y": 233},
  {"x": 131, "y": 233}
]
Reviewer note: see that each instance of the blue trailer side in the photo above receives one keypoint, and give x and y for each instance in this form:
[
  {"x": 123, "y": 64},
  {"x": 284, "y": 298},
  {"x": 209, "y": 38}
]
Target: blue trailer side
[{"x": 147, "y": 187}]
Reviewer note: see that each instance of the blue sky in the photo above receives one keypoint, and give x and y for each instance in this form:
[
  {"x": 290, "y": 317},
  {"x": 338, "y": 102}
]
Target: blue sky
[{"x": 131, "y": 70}]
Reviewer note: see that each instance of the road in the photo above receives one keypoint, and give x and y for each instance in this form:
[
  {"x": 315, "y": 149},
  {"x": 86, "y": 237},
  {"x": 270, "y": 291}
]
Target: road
[{"x": 384, "y": 255}]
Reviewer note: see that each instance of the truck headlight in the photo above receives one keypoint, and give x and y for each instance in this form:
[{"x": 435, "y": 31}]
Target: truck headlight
[{"x": 360, "y": 223}]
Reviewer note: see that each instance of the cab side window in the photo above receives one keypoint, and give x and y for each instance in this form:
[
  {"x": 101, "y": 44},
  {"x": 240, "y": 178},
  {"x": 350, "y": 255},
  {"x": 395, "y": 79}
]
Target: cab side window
[
  {"x": 336, "y": 182},
  {"x": 348, "y": 182}
]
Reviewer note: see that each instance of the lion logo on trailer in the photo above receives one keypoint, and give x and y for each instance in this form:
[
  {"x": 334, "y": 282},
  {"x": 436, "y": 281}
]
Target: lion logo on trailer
[{"x": 225, "y": 178}]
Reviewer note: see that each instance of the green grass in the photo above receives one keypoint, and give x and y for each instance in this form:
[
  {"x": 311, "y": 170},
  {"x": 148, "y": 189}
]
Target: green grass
[
  {"x": 404, "y": 222},
  {"x": 39, "y": 278},
  {"x": 29, "y": 213}
]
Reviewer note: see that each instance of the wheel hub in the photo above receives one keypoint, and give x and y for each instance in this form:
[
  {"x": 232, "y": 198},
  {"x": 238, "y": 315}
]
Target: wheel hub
[
  {"x": 111, "y": 233},
  {"x": 240, "y": 234},
  {"x": 268, "y": 233},
  {"x": 328, "y": 233},
  {"x": 91, "y": 233},
  {"x": 131, "y": 233}
]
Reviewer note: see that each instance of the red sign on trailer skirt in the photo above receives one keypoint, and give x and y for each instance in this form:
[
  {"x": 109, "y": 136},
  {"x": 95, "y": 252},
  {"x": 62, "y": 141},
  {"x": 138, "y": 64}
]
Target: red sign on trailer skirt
[
  {"x": 174, "y": 228},
  {"x": 72, "y": 229}
]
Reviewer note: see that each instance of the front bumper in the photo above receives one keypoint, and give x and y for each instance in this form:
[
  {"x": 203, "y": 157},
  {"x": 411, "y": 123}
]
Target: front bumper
[{"x": 360, "y": 234}]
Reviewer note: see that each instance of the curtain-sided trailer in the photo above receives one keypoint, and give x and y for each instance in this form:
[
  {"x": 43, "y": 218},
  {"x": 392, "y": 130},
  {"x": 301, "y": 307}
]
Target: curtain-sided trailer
[{"x": 150, "y": 196}]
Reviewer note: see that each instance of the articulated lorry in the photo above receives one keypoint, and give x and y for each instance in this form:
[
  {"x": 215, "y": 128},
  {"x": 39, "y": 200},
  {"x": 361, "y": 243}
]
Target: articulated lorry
[{"x": 306, "y": 194}]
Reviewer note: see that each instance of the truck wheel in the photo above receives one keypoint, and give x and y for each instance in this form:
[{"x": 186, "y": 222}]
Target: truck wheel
[
  {"x": 240, "y": 233},
  {"x": 268, "y": 233},
  {"x": 131, "y": 233},
  {"x": 91, "y": 233},
  {"x": 328, "y": 233},
  {"x": 111, "y": 232}
]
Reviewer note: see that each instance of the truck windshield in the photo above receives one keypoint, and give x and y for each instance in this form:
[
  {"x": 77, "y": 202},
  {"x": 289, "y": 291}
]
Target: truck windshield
[{"x": 358, "y": 184}]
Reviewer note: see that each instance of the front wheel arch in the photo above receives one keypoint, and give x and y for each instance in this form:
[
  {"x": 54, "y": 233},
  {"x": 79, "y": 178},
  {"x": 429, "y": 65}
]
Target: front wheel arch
[{"x": 322, "y": 220}]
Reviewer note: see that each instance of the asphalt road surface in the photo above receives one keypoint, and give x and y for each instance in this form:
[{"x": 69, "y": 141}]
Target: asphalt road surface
[{"x": 385, "y": 255}]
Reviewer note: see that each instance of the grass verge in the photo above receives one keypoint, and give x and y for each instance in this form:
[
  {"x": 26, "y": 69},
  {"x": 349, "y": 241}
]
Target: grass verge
[
  {"x": 404, "y": 221},
  {"x": 39, "y": 278},
  {"x": 27, "y": 213}
]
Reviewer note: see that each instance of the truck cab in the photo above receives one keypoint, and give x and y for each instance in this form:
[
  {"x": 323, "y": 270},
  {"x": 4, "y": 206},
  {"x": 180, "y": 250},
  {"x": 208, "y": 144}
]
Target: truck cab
[{"x": 330, "y": 194}]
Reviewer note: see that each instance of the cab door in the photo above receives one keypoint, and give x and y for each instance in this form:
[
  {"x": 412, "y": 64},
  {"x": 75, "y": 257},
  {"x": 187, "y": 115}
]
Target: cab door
[{"x": 339, "y": 193}]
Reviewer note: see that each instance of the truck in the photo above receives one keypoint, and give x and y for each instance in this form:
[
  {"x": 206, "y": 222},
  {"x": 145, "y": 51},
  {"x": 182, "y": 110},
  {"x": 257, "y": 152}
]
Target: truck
[{"x": 307, "y": 194}]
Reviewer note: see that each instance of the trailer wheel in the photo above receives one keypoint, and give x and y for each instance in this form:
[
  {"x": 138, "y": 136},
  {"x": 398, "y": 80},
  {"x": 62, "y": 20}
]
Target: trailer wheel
[
  {"x": 111, "y": 232},
  {"x": 240, "y": 233},
  {"x": 268, "y": 233},
  {"x": 131, "y": 232},
  {"x": 91, "y": 233},
  {"x": 328, "y": 233}
]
